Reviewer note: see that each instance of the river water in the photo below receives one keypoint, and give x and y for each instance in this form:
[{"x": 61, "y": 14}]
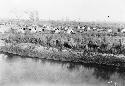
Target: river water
[{"x": 22, "y": 71}]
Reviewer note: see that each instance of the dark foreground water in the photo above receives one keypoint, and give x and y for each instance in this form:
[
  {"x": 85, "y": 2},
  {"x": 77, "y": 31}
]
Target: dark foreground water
[{"x": 21, "y": 71}]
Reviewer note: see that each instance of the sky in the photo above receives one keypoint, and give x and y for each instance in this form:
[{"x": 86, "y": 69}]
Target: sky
[{"x": 82, "y": 10}]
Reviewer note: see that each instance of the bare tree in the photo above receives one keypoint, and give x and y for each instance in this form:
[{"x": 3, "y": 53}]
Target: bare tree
[{"x": 33, "y": 16}]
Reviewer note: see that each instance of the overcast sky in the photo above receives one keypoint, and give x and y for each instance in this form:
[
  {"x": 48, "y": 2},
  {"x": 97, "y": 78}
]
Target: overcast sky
[{"x": 91, "y": 10}]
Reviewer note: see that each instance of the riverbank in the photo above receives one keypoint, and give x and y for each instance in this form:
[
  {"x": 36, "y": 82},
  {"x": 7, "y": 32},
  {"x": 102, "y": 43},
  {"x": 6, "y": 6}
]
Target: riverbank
[{"x": 38, "y": 51}]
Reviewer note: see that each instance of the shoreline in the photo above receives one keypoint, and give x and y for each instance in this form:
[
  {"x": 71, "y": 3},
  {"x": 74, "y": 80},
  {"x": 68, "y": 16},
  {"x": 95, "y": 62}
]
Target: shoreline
[{"x": 36, "y": 51}]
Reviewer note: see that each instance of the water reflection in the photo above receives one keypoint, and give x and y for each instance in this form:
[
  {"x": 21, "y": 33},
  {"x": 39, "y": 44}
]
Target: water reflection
[{"x": 15, "y": 69}]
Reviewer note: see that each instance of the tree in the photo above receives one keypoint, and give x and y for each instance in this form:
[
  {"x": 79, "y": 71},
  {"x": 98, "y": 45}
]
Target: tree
[{"x": 33, "y": 16}]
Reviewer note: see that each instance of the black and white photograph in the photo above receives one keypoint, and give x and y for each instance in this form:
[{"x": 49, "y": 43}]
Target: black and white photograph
[{"x": 62, "y": 43}]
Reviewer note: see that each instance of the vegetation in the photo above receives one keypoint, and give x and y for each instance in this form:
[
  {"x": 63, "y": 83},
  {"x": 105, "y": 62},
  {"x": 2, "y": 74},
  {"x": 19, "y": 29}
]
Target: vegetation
[{"x": 93, "y": 42}]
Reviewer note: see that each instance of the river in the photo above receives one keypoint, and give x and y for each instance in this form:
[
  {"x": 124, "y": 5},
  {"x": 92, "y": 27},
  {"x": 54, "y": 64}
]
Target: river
[{"x": 24, "y": 71}]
